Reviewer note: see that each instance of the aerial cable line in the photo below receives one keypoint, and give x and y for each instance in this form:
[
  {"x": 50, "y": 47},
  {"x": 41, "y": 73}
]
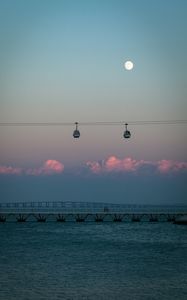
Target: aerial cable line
[
  {"x": 76, "y": 132},
  {"x": 104, "y": 123}
]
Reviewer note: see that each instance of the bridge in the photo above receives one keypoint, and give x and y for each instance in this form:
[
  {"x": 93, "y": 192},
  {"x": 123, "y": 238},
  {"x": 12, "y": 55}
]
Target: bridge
[{"x": 88, "y": 211}]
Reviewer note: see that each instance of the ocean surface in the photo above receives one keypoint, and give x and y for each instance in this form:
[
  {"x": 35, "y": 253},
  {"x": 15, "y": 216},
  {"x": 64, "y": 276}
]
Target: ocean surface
[{"x": 130, "y": 261}]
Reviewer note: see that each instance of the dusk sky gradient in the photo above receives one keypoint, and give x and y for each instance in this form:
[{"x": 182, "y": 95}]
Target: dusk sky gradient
[{"x": 62, "y": 61}]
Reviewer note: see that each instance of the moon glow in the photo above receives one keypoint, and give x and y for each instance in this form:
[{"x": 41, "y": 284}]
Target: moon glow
[{"x": 128, "y": 65}]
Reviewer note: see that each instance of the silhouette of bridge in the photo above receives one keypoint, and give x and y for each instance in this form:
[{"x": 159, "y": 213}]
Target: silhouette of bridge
[{"x": 88, "y": 211}]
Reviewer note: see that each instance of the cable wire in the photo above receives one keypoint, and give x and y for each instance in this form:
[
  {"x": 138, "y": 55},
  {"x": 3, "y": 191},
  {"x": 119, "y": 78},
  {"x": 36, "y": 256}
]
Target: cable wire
[{"x": 105, "y": 123}]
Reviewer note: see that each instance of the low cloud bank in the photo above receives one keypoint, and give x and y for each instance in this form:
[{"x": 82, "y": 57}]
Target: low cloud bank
[
  {"x": 128, "y": 164},
  {"x": 49, "y": 167},
  {"x": 10, "y": 170},
  {"x": 110, "y": 165}
]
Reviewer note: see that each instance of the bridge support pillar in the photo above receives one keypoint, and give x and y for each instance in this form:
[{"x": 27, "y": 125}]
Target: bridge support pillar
[
  {"x": 80, "y": 218},
  {"x": 61, "y": 218},
  {"x": 117, "y": 218},
  {"x": 99, "y": 218},
  {"x": 153, "y": 218},
  {"x": 21, "y": 218},
  {"x": 40, "y": 218},
  {"x": 135, "y": 218},
  {"x": 171, "y": 218},
  {"x": 2, "y": 219}
]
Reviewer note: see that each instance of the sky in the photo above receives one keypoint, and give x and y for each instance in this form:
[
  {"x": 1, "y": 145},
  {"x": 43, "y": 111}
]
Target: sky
[{"x": 62, "y": 61}]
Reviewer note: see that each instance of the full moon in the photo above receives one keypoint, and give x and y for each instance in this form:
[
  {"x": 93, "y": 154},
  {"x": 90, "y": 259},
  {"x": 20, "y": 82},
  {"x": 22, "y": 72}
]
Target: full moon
[{"x": 128, "y": 65}]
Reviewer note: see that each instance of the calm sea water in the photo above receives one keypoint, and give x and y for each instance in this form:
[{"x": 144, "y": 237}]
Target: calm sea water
[{"x": 93, "y": 261}]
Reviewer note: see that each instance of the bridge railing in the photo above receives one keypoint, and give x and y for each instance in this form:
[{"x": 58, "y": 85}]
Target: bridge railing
[{"x": 85, "y": 207}]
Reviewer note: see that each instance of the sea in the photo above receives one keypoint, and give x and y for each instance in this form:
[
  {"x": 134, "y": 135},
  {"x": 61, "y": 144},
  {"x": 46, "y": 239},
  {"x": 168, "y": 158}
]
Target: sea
[{"x": 103, "y": 261}]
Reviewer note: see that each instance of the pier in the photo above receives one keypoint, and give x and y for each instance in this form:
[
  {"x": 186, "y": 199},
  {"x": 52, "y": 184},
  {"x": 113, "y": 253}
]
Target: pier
[{"x": 88, "y": 212}]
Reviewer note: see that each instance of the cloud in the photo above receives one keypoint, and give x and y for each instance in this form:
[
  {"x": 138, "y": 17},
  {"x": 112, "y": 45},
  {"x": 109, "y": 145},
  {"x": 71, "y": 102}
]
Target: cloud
[
  {"x": 166, "y": 166},
  {"x": 49, "y": 167},
  {"x": 114, "y": 164},
  {"x": 10, "y": 170},
  {"x": 111, "y": 165},
  {"x": 94, "y": 166},
  {"x": 128, "y": 164}
]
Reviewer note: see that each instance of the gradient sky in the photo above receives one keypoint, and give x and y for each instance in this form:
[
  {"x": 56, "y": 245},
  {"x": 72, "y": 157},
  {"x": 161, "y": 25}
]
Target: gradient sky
[{"x": 62, "y": 61}]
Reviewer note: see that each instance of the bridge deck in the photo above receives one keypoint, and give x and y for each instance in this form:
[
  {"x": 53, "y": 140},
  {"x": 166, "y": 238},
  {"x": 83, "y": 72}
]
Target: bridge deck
[{"x": 86, "y": 211}]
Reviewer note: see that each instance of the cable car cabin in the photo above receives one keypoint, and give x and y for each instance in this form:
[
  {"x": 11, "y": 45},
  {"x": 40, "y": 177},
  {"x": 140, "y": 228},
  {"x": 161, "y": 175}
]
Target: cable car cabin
[
  {"x": 127, "y": 134},
  {"x": 76, "y": 134}
]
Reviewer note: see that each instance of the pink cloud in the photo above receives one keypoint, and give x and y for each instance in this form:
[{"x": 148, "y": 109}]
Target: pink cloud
[
  {"x": 94, "y": 166},
  {"x": 114, "y": 164},
  {"x": 54, "y": 166},
  {"x": 128, "y": 164},
  {"x": 10, "y": 170},
  {"x": 49, "y": 167},
  {"x": 166, "y": 166},
  {"x": 110, "y": 165}
]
